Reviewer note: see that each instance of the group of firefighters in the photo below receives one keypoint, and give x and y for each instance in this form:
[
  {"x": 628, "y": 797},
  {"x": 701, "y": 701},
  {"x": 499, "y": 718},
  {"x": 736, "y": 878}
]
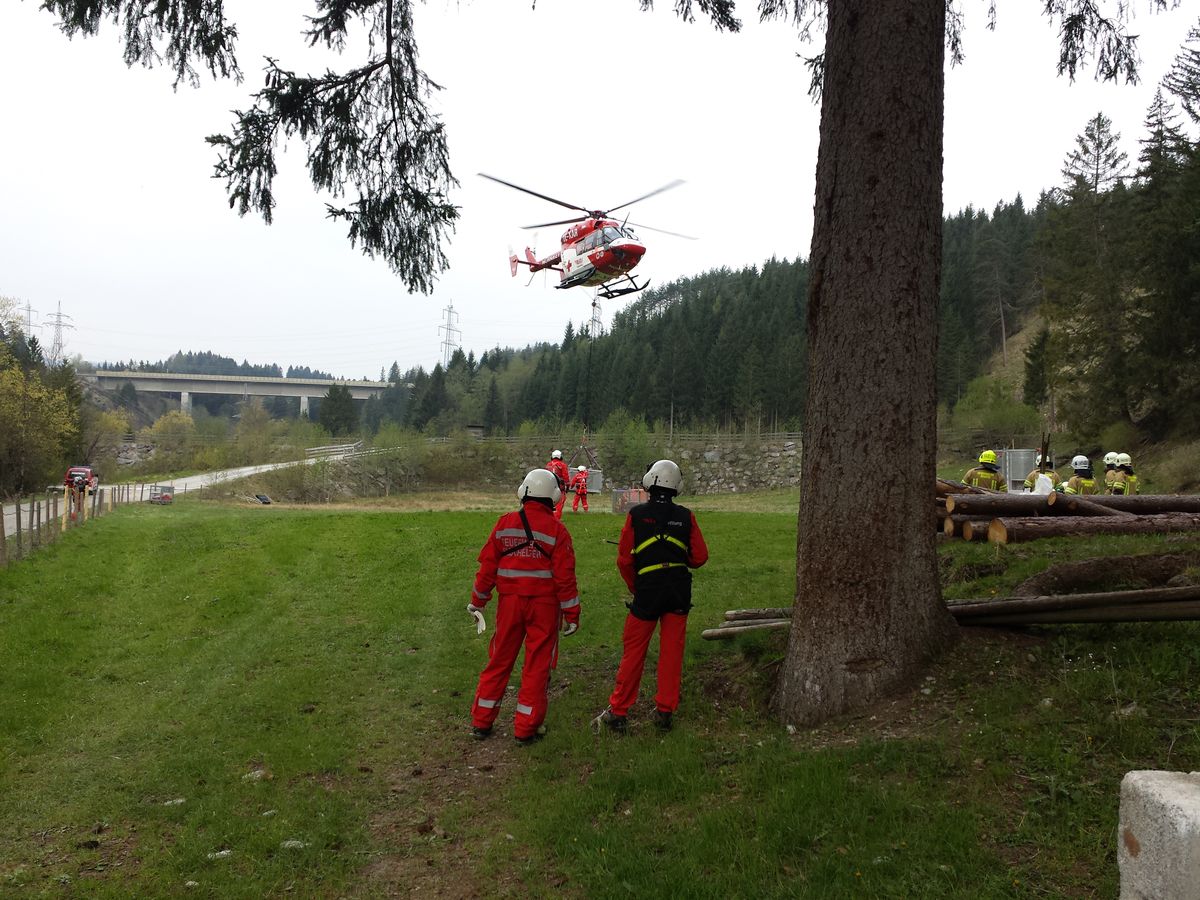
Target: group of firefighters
[
  {"x": 1119, "y": 477},
  {"x": 529, "y": 560}
]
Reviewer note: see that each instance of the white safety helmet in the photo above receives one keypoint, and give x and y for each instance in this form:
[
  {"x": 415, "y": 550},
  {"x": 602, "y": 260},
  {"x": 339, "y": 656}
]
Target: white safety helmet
[
  {"x": 1081, "y": 462},
  {"x": 583, "y": 468},
  {"x": 539, "y": 484},
  {"x": 1110, "y": 459},
  {"x": 663, "y": 474},
  {"x": 1124, "y": 459},
  {"x": 556, "y": 454},
  {"x": 1037, "y": 459}
]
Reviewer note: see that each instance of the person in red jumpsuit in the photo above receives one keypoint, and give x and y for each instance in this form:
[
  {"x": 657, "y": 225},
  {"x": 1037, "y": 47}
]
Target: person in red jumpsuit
[
  {"x": 559, "y": 468},
  {"x": 660, "y": 545},
  {"x": 530, "y": 560},
  {"x": 579, "y": 485}
]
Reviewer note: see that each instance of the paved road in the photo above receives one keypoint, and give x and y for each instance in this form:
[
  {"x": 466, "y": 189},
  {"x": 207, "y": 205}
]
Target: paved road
[{"x": 182, "y": 485}]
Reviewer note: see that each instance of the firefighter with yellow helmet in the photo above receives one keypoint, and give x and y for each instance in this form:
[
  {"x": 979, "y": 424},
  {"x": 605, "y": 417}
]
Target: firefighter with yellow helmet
[{"x": 987, "y": 474}]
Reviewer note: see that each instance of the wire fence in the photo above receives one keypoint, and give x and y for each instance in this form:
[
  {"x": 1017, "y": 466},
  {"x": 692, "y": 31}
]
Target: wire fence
[{"x": 35, "y": 522}]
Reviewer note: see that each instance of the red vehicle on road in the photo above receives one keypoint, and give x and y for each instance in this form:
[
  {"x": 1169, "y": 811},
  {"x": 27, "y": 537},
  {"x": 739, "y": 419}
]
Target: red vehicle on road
[{"x": 83, "y": 474}]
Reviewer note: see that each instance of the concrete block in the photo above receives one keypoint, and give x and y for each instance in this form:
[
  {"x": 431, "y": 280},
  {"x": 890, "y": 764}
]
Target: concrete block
[{"x": 1158, "y": 836}]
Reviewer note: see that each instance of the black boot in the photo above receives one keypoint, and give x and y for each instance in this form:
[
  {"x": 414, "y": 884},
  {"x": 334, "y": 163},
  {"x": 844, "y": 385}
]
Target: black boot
[
  {"x": 615, "y": 723},
  {"x": 481, "y": 734},
  {"x": 662, "y": 720},
  {"x": 533, "y": 738}
]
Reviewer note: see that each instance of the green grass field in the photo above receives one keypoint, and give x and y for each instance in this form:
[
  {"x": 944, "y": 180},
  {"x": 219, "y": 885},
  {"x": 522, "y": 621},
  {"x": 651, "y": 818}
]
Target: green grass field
[{"x": 275, "y": 701}]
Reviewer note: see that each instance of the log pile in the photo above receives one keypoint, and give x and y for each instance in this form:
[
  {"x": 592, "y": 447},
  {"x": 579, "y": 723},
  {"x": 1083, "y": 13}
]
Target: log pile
[
  {"x": 1179, "y": 604},
  {"x": 972, "y": 514}
]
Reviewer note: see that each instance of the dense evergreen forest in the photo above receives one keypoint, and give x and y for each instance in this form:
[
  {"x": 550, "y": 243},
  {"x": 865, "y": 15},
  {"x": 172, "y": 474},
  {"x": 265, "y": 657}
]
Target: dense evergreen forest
[{"x": 208, "y": 363}]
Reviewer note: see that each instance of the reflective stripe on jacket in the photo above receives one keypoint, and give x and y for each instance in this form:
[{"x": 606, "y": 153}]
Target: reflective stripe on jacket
[
  {"x": 1124, "y": 485},
  {"x": 543, "y": 568},
  {"x": 988, "y": 479},
  {"x": 1078, "y": 484},
  {"x": 659, "y": 545}
]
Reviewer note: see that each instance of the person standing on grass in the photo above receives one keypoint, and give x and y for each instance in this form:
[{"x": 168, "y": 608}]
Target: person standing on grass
[
  {"x": 660, "y": 545},
  {"x": 563, "y": 474},
  {"x": 530, "y": 559},
  {"x": 579, "y": 484}
]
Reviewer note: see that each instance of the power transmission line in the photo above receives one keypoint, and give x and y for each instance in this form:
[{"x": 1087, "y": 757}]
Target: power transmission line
[
  {"x": 453, "y": 338},
  {"x": 56, "y": 345}
]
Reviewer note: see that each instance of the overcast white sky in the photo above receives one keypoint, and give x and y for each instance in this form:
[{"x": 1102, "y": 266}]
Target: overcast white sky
[{"x": 107, "y": 205}]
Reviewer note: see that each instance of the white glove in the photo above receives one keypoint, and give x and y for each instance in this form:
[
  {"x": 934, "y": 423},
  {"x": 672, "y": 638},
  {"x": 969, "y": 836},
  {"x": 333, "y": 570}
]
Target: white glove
[
  {"x": 569, "y": 628},
  {"x": 480, "y": 624}
]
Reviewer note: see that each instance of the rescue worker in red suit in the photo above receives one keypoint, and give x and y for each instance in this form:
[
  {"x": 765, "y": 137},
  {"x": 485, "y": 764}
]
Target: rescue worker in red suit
[
  {"x": 579, "y": 485},
  {"x": 559, "y": 468},
  {"x": 660, "y": 545},
  {"x": 530, "y": 560}
]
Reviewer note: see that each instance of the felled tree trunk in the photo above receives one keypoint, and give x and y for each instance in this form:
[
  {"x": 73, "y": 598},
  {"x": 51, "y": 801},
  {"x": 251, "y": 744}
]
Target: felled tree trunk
[
  {"x": 1150, "y": 504},
  {"x": 956, "y": 526},
  {"x": 996, "y": 505},
  {"x": 1013, "y": 530},
  {"x": 971, "y": 609},
  {"x": 1073, "y": 504}
]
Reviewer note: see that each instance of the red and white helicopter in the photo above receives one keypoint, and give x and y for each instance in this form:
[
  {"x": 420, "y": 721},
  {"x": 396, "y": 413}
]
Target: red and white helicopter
[{"x": 597, "y": 251}]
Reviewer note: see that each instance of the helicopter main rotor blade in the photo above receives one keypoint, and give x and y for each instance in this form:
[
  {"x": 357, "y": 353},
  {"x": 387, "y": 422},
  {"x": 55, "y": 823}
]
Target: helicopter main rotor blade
[
  {"x": 563, "y": 222},
  {"x": 526, "y": 190},
  {"x": 666, "y": 187},
  {"x": 686, "y": 237}
]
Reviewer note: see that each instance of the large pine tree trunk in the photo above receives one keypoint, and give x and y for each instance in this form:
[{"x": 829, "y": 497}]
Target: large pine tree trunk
[{"x": 869, "y": 614}]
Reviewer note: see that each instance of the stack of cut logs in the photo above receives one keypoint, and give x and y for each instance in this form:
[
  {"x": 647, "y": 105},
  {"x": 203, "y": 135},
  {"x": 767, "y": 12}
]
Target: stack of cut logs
[
  {"x": 1150, "y": 605},
  {"x": 976, "y": 515}
]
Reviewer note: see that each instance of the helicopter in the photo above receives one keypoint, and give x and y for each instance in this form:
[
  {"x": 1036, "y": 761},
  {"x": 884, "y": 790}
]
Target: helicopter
[{"x": 597, "y": 250}]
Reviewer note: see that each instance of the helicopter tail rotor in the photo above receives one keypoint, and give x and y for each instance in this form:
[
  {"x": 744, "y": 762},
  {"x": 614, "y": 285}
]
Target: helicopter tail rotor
[{"x": 512, "y": 261}]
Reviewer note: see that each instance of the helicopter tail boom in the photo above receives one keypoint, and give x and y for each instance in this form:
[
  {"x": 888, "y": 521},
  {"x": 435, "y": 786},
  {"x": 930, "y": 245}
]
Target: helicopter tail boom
[{"x": 535, "y": 264}]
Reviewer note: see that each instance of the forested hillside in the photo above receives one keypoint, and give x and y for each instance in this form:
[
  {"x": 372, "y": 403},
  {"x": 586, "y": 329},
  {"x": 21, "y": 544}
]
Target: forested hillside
[{"x": 1107, "y": 260}]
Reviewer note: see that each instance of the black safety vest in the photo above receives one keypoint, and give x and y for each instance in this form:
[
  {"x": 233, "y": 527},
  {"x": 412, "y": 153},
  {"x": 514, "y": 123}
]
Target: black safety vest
[{"x": 662, "y": 534}]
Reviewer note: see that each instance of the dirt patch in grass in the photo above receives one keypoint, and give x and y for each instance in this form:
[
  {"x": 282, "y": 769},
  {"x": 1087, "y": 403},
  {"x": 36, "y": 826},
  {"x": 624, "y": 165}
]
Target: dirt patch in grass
[
  {"x": 426, "y": 855},
  {"x": 930, "y": 706},
  {"x": 68, "y": 853}
]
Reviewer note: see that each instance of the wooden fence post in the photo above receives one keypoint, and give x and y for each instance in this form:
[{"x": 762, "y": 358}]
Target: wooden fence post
[
  {"x": 17, "y": 555},
  {"x": 56, "y": 526},
  {"x": 35, "y": 524},
  {"x": 3, "y": 539}
]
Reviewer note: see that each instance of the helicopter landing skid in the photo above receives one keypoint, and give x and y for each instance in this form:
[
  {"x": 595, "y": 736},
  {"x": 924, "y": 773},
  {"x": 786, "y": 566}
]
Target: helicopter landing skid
[{"x": 611, "y": 291}]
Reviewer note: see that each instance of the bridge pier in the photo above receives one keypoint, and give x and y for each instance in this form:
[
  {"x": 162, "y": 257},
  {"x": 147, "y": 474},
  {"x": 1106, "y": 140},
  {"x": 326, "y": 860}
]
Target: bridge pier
[
  {"x": 303, "y": 407},
  {"x": 185, "y": 401}
]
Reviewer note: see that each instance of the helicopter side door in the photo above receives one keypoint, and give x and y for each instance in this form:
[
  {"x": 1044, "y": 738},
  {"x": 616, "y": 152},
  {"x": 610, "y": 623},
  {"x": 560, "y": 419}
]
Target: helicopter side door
[{"x": 576, "y": 262}]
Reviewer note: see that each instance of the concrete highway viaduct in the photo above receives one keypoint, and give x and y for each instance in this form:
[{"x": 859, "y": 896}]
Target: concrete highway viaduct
[{"x": 233, "y": 385}]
